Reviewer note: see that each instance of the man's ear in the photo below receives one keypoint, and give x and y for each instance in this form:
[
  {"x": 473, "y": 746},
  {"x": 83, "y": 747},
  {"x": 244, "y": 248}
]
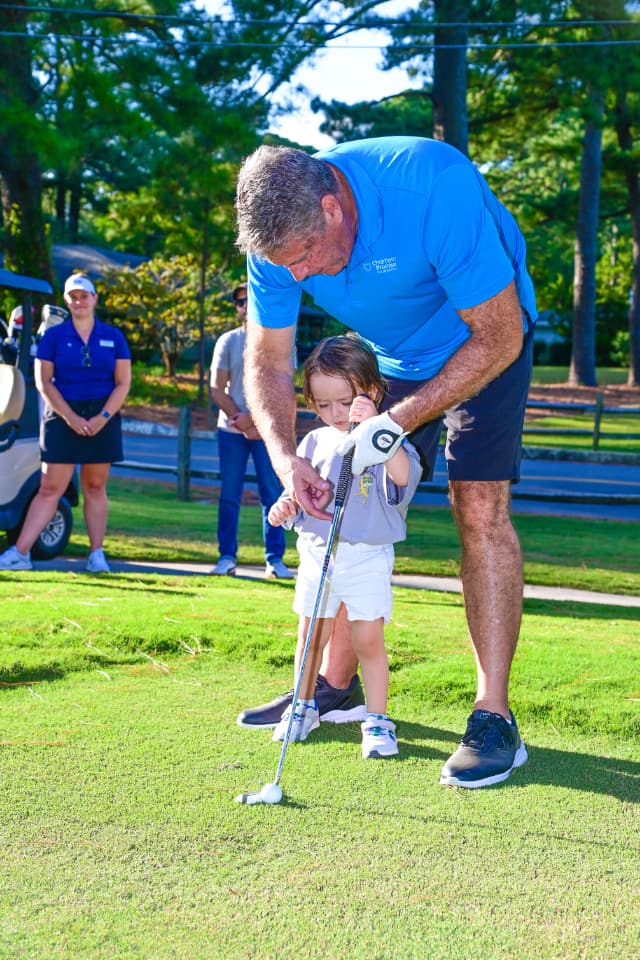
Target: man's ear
[{"x": 332, "y": 208}]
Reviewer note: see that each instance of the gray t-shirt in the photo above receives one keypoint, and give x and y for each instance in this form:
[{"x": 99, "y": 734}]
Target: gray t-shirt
[
  {"x": 228, "y": 354},
  {"x": 375, "y": 510}
]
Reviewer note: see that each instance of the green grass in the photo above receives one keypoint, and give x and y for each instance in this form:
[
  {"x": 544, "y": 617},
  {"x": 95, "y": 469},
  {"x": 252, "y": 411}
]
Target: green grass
[
  {"x": 147, "y": 522},
  {"x": 604, "y": 375},
  {"x": 150, "y": 385},
  {"x": 625, "y": 429},
  {"x": 121, "y": 759}
]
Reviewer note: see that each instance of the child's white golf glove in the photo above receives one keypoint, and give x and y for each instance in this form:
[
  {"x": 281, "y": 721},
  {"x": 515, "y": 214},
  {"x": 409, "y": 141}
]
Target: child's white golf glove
[{"x": 373, "y": 441}]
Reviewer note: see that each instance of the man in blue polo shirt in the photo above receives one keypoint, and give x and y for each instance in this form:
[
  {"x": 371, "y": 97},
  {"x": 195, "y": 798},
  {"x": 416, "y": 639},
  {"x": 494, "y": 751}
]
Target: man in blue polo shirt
[{"x": 402, "y": 240}]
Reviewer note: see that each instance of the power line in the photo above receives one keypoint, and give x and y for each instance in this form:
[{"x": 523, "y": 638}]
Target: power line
[
  {"x": 412, "y": 46},
  {"x": 366, "y": 23}
]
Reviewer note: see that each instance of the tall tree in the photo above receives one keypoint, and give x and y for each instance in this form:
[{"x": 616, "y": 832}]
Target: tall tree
[
  {"x": 582, "y": 368},
  {"x": 21, "y": 136},
  {"x": 450, "y": 73}
]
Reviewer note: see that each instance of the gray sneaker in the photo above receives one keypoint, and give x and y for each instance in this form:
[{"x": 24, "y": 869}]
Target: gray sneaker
[
  {"x": 278, "y": 570},
  {"x": 97, "y": 562},
  {"x": 225, "y": 567},
  {"x": 12, "y": 559}
]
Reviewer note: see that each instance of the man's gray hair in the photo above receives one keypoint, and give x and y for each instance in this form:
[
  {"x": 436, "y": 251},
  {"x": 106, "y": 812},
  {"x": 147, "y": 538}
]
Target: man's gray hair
[{"x": 278, "y": 198}]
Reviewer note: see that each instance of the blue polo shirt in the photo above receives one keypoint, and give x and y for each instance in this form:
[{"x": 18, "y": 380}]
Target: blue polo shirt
[
  {"x": 431, "y": 239},
  {"x": 73, "y": 376}
]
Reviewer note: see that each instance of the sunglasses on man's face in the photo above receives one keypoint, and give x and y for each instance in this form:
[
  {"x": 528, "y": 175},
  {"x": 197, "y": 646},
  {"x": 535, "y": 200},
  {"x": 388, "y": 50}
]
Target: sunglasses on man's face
[
  {"x": 86, "y": 356},
  {"x": 241, "y": 301}
]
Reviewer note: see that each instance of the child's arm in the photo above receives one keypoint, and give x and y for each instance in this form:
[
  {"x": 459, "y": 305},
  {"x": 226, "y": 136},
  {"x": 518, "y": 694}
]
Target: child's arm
[{"x": 397, "y": 467}]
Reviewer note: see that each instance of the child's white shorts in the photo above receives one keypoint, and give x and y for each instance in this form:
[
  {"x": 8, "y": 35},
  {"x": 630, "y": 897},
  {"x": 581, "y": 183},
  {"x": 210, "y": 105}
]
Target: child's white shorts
[{"x": 359, "y": 576}]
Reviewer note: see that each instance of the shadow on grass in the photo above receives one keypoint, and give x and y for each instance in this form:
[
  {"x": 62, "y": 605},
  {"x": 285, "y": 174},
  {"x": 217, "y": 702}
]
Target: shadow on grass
[
  {"x": 610, "y": 776},
  {"x": 168, "y": 584}
]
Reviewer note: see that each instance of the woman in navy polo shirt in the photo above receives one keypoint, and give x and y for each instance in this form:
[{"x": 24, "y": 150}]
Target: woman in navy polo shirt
[{"x": 83, "y": 372}]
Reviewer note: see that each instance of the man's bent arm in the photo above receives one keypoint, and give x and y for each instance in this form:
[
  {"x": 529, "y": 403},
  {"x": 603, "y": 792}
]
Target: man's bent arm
[
  {"x": 268, "y": 376},
  {"x": 495, "y": 343},
  {"x": 268, "y": 382}
]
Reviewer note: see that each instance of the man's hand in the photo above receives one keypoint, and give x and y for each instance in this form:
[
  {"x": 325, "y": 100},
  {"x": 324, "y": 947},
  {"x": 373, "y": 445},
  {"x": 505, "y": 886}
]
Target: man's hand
[
  {"x": 243, "y": 422},
  {"x": 373, "y": 441},
  {"x": 306, "y": 487}
]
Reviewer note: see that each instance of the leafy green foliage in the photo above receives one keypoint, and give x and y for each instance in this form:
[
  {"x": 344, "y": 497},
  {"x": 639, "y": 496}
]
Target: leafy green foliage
[{"x": 157, "y": 306}]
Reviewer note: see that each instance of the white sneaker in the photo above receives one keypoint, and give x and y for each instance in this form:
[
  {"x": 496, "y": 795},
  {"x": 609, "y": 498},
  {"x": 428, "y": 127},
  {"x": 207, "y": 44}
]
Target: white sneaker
[
  {"x": 278, "y": 570},
  {"x": 225, "y": 567},
  {"x": 97, "y": 562},
  {"x": 305, "y": 719},
  {"x": 378, "y": 737},
  {"x": 12, "y": 559}
]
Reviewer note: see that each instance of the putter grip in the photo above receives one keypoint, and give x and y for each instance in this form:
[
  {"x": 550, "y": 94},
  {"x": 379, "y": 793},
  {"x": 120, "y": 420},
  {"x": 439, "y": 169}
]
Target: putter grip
[{"x": 344, "y": 480}]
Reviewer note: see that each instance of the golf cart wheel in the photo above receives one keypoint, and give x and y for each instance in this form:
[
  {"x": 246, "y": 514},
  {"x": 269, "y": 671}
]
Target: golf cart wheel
[{"x": 55, "y": 536}]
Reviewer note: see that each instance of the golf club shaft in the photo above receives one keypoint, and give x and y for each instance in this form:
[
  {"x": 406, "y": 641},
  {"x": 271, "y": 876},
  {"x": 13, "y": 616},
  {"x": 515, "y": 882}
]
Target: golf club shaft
[{"x": 342, "y": 489}]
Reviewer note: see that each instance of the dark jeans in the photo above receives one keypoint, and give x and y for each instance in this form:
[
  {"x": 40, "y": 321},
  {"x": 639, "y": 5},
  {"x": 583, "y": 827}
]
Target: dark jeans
[{"x": 234, "y": 449}]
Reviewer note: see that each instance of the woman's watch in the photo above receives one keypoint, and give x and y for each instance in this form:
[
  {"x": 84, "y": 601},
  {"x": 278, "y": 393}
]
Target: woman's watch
[{"x": 106, "y": 415}]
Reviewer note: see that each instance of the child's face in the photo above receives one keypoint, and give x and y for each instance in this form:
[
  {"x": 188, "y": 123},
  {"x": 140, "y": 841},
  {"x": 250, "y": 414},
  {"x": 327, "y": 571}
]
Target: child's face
[{"x": 332, "y": 398}]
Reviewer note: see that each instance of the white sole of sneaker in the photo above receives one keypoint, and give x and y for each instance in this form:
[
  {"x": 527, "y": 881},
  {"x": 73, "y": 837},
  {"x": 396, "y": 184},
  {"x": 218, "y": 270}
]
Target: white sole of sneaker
[
  {"x": 256, "y": 726},
  {"x": 519, "y": 760},
  {"x": 356, "y": 714}
]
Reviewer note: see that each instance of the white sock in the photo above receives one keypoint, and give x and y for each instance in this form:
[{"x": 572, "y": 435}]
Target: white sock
[{"x": 308, "y": 703}]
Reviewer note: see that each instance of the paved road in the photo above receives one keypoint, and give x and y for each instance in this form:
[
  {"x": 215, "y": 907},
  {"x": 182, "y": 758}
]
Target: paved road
[{"x": 547, "y": 486}]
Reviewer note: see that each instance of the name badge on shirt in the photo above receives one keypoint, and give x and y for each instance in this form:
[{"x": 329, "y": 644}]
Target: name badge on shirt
[{"x": 107, "y": 343}]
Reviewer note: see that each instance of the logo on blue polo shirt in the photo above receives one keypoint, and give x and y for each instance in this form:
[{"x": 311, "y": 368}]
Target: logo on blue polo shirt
[{"x": 383, "y": 265}]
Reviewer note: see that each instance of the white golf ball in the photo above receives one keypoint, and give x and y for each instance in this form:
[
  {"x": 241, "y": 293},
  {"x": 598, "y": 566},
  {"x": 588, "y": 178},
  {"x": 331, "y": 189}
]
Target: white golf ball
[{"x": 271, "y": 793}]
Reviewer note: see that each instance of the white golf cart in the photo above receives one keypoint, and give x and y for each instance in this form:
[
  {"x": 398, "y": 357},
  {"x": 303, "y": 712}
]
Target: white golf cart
[{"x": 20, "y": 421}]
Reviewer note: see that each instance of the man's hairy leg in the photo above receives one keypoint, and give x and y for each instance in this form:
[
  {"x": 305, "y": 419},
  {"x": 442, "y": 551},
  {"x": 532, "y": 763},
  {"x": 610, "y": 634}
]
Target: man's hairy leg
[
  {"x": 492, "y": 584},
  {"x": 339, "y": 662}
]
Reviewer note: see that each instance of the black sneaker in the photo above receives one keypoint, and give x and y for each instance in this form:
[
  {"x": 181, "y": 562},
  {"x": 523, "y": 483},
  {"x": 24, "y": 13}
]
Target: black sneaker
[
  {"x": 335, "y": 706},
  {"x": 489, "y": 750}
]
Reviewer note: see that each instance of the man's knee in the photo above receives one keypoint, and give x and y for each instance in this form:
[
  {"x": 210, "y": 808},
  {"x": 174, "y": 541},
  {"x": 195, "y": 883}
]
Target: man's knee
[{"x": 480, "y": 507}]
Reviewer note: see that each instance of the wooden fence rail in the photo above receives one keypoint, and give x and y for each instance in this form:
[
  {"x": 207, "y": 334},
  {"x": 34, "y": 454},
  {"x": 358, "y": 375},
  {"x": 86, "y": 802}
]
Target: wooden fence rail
[{"x": 184, "y": 435}]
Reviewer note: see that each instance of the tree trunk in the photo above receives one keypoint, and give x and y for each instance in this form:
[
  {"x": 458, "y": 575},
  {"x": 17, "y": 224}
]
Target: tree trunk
[
  {"x": 26, "y": 248},
  {"x": 632, "y": 176},
  {"x": 205, "y": 255},
  {"x": 582, "y": 370},
  {"x": 75, "y": 199},
  {"x": 450, "y": 75},
  {"x": 61, "y": 202}
]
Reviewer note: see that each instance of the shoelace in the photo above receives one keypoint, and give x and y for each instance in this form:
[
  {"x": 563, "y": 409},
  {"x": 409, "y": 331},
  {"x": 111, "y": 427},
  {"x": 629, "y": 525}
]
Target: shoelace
[{"x": 485, "y": 730}]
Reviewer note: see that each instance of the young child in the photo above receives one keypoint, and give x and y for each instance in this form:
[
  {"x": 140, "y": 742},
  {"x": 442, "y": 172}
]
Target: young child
[{"x": 342, "y": 383}]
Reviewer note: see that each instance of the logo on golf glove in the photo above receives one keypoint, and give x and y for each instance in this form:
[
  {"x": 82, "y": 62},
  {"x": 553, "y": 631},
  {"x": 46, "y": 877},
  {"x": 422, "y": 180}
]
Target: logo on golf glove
[{"x": 383, "y": 440}]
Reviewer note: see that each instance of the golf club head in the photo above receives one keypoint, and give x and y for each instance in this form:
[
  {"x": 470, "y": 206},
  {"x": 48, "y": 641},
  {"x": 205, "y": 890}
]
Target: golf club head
[{"x": 270, "y": 793}]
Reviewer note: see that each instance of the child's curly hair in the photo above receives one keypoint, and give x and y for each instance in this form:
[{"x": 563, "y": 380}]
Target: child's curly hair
[{"x": 350, "y": 357}]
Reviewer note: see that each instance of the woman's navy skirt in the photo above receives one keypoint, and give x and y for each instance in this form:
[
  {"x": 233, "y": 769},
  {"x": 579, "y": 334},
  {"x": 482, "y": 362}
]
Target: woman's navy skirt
[{"x": 60, "y": 444}]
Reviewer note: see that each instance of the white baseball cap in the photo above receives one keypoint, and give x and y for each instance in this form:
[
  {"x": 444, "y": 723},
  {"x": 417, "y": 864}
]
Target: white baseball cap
[{"x": 78, "y": 281}]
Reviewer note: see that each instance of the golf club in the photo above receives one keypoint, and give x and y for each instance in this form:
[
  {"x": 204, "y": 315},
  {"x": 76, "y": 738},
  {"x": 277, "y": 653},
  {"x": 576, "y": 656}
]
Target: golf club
[{"x": 272, "y": 792}]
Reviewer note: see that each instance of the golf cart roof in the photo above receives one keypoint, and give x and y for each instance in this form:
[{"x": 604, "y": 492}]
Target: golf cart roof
[{"x": 29, "y": 284}]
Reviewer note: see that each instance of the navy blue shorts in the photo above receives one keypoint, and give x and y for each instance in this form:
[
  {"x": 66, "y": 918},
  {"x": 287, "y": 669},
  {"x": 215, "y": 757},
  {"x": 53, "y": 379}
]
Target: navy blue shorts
[
  {"x": 484, "y": 433},
  {"x": 60, "y": 444}
]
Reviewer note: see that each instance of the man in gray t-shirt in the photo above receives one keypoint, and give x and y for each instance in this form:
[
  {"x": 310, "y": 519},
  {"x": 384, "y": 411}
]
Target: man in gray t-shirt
[{"x": 237, "y": 440}]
